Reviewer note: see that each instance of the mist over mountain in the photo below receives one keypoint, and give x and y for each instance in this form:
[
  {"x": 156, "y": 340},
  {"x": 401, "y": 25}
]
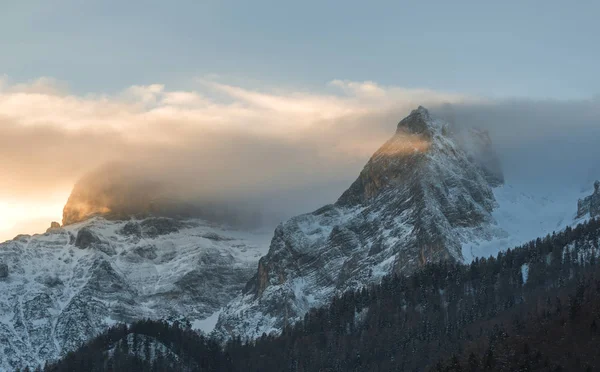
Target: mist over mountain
[
  {"x": 121, "y": 191},
  {"x": 161, "y": 236},
  {"x": 543, "y": 145},
  {"x": 540, "y": 146},
  {"x": 435, "y": 191},
  {"x": 284, "y": 151},
  {"x": 271, "y": 185}
]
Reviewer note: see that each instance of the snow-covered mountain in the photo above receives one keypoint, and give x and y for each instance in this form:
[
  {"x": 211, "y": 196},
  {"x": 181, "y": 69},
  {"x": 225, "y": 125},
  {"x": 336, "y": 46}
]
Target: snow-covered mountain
[
  {"x": 63, "y": 287},
  {"x": 432, "y": 192}
]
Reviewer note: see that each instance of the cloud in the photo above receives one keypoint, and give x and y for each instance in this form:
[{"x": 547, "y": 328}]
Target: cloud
[
  {"x": 543, "y": 144},
  {"x": 289, "y": 150},
  {"x": 51, "y": 136}
]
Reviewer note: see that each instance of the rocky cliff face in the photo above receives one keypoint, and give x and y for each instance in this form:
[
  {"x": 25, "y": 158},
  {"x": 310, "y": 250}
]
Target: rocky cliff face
[
  {"x": 418, "y": 199},
  {"x": 63, "y": 287},
  {"x": 590, "y": 205}
]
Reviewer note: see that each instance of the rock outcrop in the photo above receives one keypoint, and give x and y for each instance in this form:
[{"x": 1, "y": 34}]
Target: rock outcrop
[
  {"x": 54, "y": 228},
  {"x": 86, "y": 238},
  {"x": 3, "y": 270},
  {"x": 70, "y": 285},
  {"x": 418, "y": 199},
  {"x": 590, "y": 205}
]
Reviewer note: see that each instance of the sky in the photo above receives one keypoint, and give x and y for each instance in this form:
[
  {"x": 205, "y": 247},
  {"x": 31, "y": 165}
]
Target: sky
[{"x": 280, "y": 98}]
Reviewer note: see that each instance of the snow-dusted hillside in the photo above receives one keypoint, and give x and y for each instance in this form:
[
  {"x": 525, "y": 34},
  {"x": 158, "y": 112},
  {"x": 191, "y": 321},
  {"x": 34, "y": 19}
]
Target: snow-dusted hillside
[
  {"x": 417, "y": 200},
  {"x": 430, "y": 193},
  {"x": 65, "y": 286},
  {"x": 521, "y": 216}
]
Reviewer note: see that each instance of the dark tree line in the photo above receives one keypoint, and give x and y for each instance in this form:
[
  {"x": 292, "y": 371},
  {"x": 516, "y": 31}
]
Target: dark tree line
[
  {"x": 558, "y": 334},
  {"x": 446, "y": 317}
]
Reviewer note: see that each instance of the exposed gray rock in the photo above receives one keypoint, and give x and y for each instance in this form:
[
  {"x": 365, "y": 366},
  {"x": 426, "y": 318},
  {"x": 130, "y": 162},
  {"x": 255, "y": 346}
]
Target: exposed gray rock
[
  {"x": 72, "y": 238},
  {"x": 53, "y": 281},
  {"x": 3, "y": 270},
  {"x": 416, "y": 200},
  {"x": 86, "y": 238},
  {"x": 57, "y": 297},
  {"x": 148, "y": 252},
  {"x": 590, "y": 205},
  {"x": 132, "y": 228},
  {"x": 50, "y": 281},
  {"x": 106, "y": 248},
  {"x": 156, "y": 226},
  {"x": 416, "y": 123},
  {"x": 216, "y": 237}
]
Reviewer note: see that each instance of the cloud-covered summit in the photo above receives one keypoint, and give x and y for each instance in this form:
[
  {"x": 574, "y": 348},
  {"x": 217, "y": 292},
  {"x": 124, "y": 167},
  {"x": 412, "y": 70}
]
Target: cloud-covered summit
[{"x": 285, "y": 150}]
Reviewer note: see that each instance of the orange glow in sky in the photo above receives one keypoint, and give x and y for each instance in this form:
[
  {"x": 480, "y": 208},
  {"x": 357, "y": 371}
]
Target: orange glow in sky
[{"x": 22, "y": 217}]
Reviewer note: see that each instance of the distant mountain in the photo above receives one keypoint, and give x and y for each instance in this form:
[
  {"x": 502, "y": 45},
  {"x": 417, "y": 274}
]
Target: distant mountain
[
  {"x": 61, "y": 288},
  {"x": 431, "y": 193}
]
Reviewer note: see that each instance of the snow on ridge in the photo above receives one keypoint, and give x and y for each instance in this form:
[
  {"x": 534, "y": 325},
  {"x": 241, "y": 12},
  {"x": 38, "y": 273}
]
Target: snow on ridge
[
  {"x": 57, "y": 295},
  {"x": 207, "y": 324},
  {"x": 525, "y": 272},
  {"x": 520, "y": 217}
]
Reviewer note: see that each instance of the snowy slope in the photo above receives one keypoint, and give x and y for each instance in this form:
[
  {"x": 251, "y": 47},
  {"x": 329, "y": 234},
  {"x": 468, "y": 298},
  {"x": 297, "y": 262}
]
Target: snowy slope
[
  {"x": 58, "y": 294},
  {"x": 428, "y": 194},
  {"x": 521, "y": 216},
  {"x": 420, "y": 197}
]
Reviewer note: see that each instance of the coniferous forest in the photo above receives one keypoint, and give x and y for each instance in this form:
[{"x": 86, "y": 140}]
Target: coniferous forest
[{"x": 532, "y": 308}]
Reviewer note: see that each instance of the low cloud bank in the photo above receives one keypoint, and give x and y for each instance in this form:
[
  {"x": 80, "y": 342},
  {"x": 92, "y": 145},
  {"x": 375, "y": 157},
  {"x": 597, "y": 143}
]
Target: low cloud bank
[{"x": 283, "y": 152}]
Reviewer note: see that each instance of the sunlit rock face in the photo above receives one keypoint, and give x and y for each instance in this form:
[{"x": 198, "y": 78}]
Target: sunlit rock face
[
  {"x": 590, "y": 205},
  {"x": 420, "y": 196}
]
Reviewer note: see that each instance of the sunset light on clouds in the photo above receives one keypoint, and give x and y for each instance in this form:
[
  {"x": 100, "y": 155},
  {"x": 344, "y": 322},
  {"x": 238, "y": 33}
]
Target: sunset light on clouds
[
  {"x": 336, "y": 185},
  {"x": 276, "y": 101},
  {"x": 90, "y": 130}
]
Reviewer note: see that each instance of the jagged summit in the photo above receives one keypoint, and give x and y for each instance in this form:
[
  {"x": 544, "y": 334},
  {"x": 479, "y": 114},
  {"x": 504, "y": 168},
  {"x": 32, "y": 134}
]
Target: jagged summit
[
  {"x": 421, "y": 142},
  {"x": 63, "y": 287},
  {"x": 420, "y": 196},
  {"x": 418, "y": 122}
]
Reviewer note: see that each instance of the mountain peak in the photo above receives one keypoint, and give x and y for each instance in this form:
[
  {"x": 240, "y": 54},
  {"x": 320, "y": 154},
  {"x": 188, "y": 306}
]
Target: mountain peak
[
  {"x": 417, "y": 122},
  {"x": 417, "y": 200}
]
